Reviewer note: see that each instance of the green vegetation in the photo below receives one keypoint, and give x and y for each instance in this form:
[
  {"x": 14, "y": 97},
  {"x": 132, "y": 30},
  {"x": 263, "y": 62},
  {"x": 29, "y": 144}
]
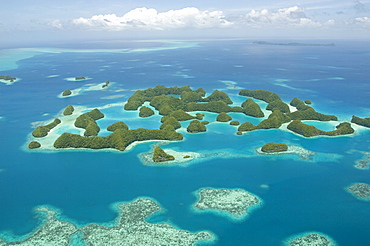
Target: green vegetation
[
  {"x": 181, "y": 115},
  {"x": 199, "y": 116},
  {"x": 146, "y": 112},
  {"x": 239, "y": 133},
  {"x": 43, "y": 131},
  {"x": 305, "y": 112},
  {"x": 34, "y": 145},
  {"x": 106, "y": 84},
  {"x": 274, "y": 147},
  {"x": 119, "y": 139},
  {"x": 263, "y": 95},
  {"x": 68, "y": 110},
  {"x": 252, "y": 109},
  {"x": 8, "y": 77},
  {"x": 234, "y": 123},
  {"x": 192, "y": 96},
  {"x": 218, "y": 96},
  {"x": 167, "y": 104},
  {"x": 141, "y": 96},
  {"x": 311, "y": 114},
  {"x": 170, "y": 123},
  {"x": 92, "y": 129},
  {"x": 80, "y": 78},
  {"x": 223, "y": 117},
  {"x": 117, "y": 125},
  {"x": 275, "y": 120},
  {"x": 196, "y": 126},
  {"x": 361, "y": 121},
  {"x": 237, "y": 109},
  {"x": 159, "y": 155},
  {"x": 278, "y": 105},
  {"x": 66, "y": 93},
  {"x": 87, "y": 122},
  {"x": 300, "y": 105},
  {"x": 246, "y": 126},
  {"x": 215, "y": 107},
  {"x": 307, "y": 102},
  {"x": 175, "y": 103},
  {"x": 309, "y": 131}
]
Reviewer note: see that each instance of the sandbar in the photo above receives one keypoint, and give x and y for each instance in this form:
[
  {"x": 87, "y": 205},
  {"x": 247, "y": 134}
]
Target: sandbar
[
  {"x": 231, "y": 85},
  {"x": 235, "y": 204},
  {"x": 292, "y": 149},
  {"x": 363, "y": 163},
  {"x": 79, "y": 80},
  {"x": 310, "y": 239},
  {"x": 8, "y": 82},
  {"x": 360, "y": 190}
]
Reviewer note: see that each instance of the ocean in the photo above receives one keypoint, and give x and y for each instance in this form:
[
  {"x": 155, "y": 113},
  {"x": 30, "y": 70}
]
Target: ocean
[{"x": 299, "y": 194}]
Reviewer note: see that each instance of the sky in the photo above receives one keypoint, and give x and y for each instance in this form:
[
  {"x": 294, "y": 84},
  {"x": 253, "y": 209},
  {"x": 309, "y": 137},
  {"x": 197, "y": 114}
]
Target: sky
[{"x": 30, "y": 22}]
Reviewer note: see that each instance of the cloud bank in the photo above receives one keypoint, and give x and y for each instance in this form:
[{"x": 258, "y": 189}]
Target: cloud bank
[
  {"x": 291, "y": 21},
  {"x": 151, "y": 19},
  {"x": 292, "y": 16}
]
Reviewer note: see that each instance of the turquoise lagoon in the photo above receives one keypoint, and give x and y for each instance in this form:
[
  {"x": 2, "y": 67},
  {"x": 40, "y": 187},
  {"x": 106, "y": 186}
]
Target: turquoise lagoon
[{"x": 299, "y": 194}]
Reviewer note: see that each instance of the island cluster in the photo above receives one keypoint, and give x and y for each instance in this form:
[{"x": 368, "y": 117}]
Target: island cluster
[{"x": 175, "y": 105}]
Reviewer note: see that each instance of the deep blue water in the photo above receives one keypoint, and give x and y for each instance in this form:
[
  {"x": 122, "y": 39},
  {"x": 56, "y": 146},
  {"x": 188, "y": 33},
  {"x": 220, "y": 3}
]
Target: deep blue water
[{"x": 302, "y": 195}]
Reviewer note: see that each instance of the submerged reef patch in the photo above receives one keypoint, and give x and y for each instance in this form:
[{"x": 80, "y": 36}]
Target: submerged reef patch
[
  {"x": 363, "y": 163},
  {"x": 310, "y": 239},
  {"x": 360, "y": 191},
  {"x": 234, "y": 203},
  {"x": 52, "y": 231},
  {"x": 131, "y": 228}
]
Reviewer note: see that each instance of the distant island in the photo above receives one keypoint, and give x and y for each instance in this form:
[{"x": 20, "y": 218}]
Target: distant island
[
  {"x": 292, "y": 44},
  {"x": 7, "y": 78}
]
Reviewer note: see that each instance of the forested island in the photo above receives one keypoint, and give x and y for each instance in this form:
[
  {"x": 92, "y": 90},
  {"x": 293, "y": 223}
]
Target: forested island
[
  {"x": 176, "y": 104},
  {"x": 7, "y": 78},
  {"x": 274, "y": 147}
]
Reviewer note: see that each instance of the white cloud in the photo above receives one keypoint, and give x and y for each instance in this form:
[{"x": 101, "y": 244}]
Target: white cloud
[
  {"x": 292, "y": 16},
  {"x": 151, "y": 19},
  {"x": 282, "y": 21},
  {"x": 56, "y": 23},
  {"x": 362, "y": 21}
]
